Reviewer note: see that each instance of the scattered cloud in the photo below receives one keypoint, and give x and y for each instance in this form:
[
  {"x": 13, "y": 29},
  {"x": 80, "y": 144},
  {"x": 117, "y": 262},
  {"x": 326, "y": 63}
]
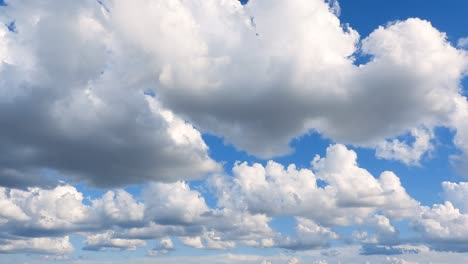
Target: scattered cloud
[
  {"x": 164, "y": 246},
  {"x": 60, "y": 245},
  {"x": 105, "y": 241},
  {"x": 408, "y": 154}
]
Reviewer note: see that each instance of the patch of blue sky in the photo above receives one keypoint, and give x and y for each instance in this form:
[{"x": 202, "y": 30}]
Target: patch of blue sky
[
  {"x": 150, "y": 92},
  {"x": 284, "y": 224},
  {"x": 365, "y": 16},
  {"x": 227, "y": 154},
  {"x": 89, "y": 193},
  {"x": 305, "y": 148},
  {"x": 464, "y": 86},
  {"x": 11, "y": 26}
]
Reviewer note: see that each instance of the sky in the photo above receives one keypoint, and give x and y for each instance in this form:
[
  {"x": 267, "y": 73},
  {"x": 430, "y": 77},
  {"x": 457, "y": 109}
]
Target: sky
[{"x": 219, "y": 131}]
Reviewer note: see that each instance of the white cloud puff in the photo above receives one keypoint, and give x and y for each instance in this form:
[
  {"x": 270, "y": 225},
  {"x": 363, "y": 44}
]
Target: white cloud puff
[
  {"x": 408, "y": 154},
  {"x": 105, "y": 241},
  {"x": 60, "y": 245},
  {"x": 351, "y": 194}
]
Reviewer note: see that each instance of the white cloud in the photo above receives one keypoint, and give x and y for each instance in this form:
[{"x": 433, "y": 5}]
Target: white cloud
[
  {"x": 88, "y": 116},
  {"x": 351, "y": 195},
  {"x": 194, "y": 242},
  {"x": 348, "y": 254},
  {"x": 462, "y": 43},
  {"x": 395, "y": 260},
  {"x": 320, "y": 262},
  {"x": 208, "y": 240},
  {"x": 213, "y": 240},
  {"x": 309, "y": 235},
  {"x": 356, "y": 189},
  {"x": 278, "y": 88},
  {"x": 383, "y": 232},
  {"x": 457, "y": 194},
  {"x": 444, "y": 227},
  {"x": 105, "y": 241},
  {"x": 118, "y": 207},
  {"x": 293, "y": 260},
  {"x": 459, "y": 121},
  {"x": 174, "y": 203},
  {"x": 39, "y": 211},
  {"x": 60, "y": 245},
  {"x": 164, "y": 246},
  {"x": 247, "y": 202},
  {"x": 408, "y": 154},
  {"x": 10, "y": 210}
]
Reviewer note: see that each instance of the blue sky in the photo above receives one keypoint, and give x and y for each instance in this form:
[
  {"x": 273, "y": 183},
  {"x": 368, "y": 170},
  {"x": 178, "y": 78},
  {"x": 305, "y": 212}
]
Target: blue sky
[{"x": 274, "y": 131}]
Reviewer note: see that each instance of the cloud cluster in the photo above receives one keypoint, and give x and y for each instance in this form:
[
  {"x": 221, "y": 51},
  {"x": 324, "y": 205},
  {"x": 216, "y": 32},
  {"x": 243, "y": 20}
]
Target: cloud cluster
[
  {"x": 118, "y": 221},
  {"x": 346, "y": 255},
  {"x": 351, "y": 194},
  {"x": 445, "y": 225},
  {"x": 335, "y": 193}
]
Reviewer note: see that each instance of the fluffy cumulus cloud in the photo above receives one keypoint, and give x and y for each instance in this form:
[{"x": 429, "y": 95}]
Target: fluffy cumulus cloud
[
  {"x": 41, "y": 220},
  {"x": 408, "y": 154},
  {"x": 260, "y": 81},
  {"x": 37, "y": 245},
  {"x": 444, "y": 225},
  {"x": 174, "y": 203},
  {"x": 71, "y": 105},
  {"x": 118, "y": 221},
  {"x": 102, "y": 242},
  {"x": 351, "y": 196},
  {"x": 113, "y": 93},
  {"x": 164, "y": 247},
  {"x": 457, "y": 194}
]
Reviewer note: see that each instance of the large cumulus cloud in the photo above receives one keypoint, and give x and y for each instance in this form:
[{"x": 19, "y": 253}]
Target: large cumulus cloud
[
  {"x": 265, "y": 73},
  {"x": 69, "y": 104}
]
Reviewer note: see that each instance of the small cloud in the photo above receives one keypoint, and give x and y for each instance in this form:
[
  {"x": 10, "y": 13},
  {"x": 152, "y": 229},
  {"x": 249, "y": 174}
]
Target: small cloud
[
  {"x": 462, "y": 43},
  {"x": 164, "y": 246}
]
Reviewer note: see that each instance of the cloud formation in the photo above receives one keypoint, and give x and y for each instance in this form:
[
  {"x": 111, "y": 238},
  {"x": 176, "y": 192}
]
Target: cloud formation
[
  {"x": 70, "y": 106},
  {"x": 247, "y": 201},
  {"x": 114, "y": 93},
  {"x": 259, "y": 81},
  {"x": 100, "y": 95}
]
